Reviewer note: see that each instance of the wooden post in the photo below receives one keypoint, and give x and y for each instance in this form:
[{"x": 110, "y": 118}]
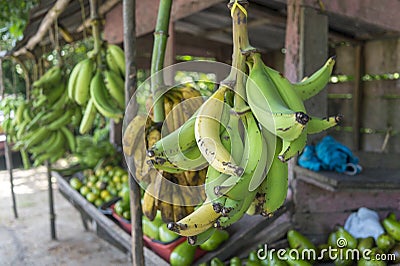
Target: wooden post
[
  {"x": 9, "y": 165},
  {"x": 51, "y": 202},
  {"x": 306, "y": 50},
  {"x": 130, "y": 86},
  {"x": 357, "y": 95}
]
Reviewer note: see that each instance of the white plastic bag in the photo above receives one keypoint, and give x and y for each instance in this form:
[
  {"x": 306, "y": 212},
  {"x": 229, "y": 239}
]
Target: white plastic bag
[{"x": 364, "y": 223}]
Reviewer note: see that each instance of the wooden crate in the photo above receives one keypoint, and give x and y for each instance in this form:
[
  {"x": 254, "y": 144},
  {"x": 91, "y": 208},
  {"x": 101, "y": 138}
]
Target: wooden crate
[{"x": 325, "y": 199}]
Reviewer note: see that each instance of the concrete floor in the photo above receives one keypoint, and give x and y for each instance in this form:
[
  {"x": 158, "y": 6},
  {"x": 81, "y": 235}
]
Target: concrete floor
[{"x": 27, "y": 240}]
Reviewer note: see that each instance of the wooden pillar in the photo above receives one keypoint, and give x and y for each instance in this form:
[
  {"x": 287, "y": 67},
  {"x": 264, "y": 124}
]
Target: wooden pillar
[
  {"x": 170, "y": 56},
  {"x": 306, "y": 46}
]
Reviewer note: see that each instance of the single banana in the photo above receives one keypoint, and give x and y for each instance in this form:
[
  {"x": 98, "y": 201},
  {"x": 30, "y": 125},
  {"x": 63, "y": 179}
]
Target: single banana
[
  {"x": 118, "y": 56},
  {"x": 132, "y": 132},
  {"x": 316, "y": 125},
  {"x": 254, "y": 162},
  {"x": 61, "y": 102},
  {"x": 55, "y": 94},
  {"x": 115, "y": 85},
  {"x": 202, "y": 237},
  {"x": 207, "y": 133},
  {"x": 83, "y": 82},
  {"x": 101, "y": 99},
  {"x": 316, "y": 82},
  {"x": 71, "y": 87},
  {"x": 69, "y": 136},
  {"x": 197, "y": 222},
  {"x": 52, "y": 77},
  {"x": 43, "y": 146},
  {"x": 275, "y": 185},
  {"x": 51, "y": 115},
  {"x": 268, "y": 106},
  {"x": 293, "y": 148},
  {"x": 88, "y": 118},
  {"x": 37, "y": 136},
  {"x": 149, "y": 207},
  {"x": 63, "y": 120}
]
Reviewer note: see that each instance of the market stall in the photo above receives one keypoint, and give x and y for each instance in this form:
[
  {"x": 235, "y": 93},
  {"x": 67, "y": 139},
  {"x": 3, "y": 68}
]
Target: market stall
[{"x": 358, "y": 43}]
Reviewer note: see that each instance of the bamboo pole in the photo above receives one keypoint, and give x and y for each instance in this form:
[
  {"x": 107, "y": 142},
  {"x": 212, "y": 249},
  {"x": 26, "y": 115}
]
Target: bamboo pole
[
  {"x": 157, "y": 59},
  {"x": 129, "y": 21}
]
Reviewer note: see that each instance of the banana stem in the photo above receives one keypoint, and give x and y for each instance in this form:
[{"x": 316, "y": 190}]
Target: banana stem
[
  {"x": 240, "y": 46},
  {"x": 157, "y": 60},
  {"x": 94, "y": 15}
]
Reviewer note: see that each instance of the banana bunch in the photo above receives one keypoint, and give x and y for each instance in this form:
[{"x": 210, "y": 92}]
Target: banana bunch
[
  {"x": 42, "y": 124},
  {"x": 141, "y": 133},
  {"x": 97, "y": 84},
  {"x": 246, "y": 152}
]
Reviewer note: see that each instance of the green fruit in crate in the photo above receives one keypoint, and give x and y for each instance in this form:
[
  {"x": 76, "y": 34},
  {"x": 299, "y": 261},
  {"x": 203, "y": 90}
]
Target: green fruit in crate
[
  {"x": 84, "y": 190},
  {"x": 392, "y": 227},
  {"x": 385, "y": 242},
  {"x": 351, "y": 242},
  {"x": 291, "y": 260},
  {"x": 75, "y": 183},
  {"x": 104, "y": 194},
  {"x": 396, "y": 252},
  {"x": 121, "y": 206},
  {"x": 127, "y": 215},
  {"x": 91, "y": 197},
  {"x": 365, "y": 243},
  {"x": 298, "y": 241},
  {"x": 182, "y": 255},
  {"x": 125, "y": 193},
  {"x": 216, "y": 262},
  {"x": 95, "y": 191},
  {"x": 93, "y": 179},
  {"x": 150, "y": 229},
  {"x": 216, "y": 239},
  {"x": 325, "y": 255},
  {"x": 332, "y": 238},
  {"x": 235, "y": 261},
  {"x": 166, "y": 235},
  {"x": 273, "y": 260},
  {"x": 253, "y": 257},
  {"x": 392, "y": 216},
  {"x": 372, "y": 259},
  {"x": 98, "y": 202}
]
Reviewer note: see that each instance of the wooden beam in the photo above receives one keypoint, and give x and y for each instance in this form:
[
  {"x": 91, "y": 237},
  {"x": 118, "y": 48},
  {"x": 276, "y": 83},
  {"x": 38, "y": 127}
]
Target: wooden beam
[
  {"x": 45, "y": 25},
  {"x": 383, "y": 14},
  {"x": 103, "y": 9}
]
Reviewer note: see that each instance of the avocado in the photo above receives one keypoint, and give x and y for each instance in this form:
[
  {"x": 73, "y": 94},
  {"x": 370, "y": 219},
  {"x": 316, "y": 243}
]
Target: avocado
[
  {"x": 216, "y": 239},
  {"x": 182, "y": 255}
]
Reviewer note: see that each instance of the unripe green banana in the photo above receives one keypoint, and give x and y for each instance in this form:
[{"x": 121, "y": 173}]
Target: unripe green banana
[
  {"x": 19, "y": 113},
  {"x": 42, "y": 147},
  {"x": 52, "y": 115},
  {"x": 56, "y": 92},
  {"x": 115, "y": 85},
  {"x": 37, "y": 136},
  {"x": 51, "y": 77},
  {"x": 207, "y": 133},
  {"x": 61, "y": 102},
  {"x": 316, "y": 125},
  {"x": 101, "y": 99},
  {"x": 71, "y": 87},
  {"x": 316, "y": 82},
  {"x": 70, "y": 138},
  {"x": 118, "y": 56},
  {"x": 83, "y": 81},
  {"x": 275, "y": 185},
  {"x": 62, "y": 121},
  {"x": 268, "y": 106},
  {"x": 88, "y": 118},
  {"x": 293, "y": 148}
]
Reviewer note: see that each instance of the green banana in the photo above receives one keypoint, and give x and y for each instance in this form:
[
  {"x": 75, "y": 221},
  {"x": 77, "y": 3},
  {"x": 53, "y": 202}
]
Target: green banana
[
  {"x": 71, "y": 87},
  {"x": 202, "y": 237},
  {"x": 101, "y": 100},
  {"x": 52, "y": 115},
  {"x": 19, "y": 113},
  {"x": 61, "y": 121},
  {"x": 316, "y": 125},
  {"x": 88, "y": 118},
  {"x": 118, "y": 56},
  {"x": 83, "y": 82},
  {"x": 275, "y": 185},
  {"x": 207, "y": 134},
  {"x": 316, "y": 82},
  {"x": 61, "y": 102},
  {"x": 392, "y": 227},
  {"x": 215, "y": 240},
  {"x": 37, "y": 136},
  {"x": 69, "y": 137},
  {"x": 115, "y": 85},
  {"x": 55, "y": 93},
  {"x": 51, "y": 77},
  {"x": 268, "y": 106},
  {"x": 293, "y": 148},
  {"x": 254, "y": 162},
  {"x": 43, "y": 146}
]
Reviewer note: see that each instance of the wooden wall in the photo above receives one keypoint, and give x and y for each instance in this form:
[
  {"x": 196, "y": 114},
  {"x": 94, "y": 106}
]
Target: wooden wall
[{"x": 379, "y": 122}]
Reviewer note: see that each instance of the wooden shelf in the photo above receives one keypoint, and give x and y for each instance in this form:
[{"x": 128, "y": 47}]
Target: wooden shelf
[
  {"x": 104, "y": 227},
  {"x": 369, "y": 178}
]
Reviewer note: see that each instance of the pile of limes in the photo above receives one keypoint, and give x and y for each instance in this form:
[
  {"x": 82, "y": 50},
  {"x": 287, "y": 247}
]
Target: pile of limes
[{"x": 103, "y": 185}]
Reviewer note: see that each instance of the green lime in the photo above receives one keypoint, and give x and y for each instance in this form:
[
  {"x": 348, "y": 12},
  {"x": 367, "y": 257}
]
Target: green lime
[
  {"x": 92, "y": 179},
  {"x": 127, "y": 215},
  {"x": 84, "y": 190},
  {"x": 104, "y": 194},
  {"x": 96, "y": 191},
  {"x": 98, "y": 202},
  {"x": 91, "y": 197},
  {"x": 75, "y": 183}
]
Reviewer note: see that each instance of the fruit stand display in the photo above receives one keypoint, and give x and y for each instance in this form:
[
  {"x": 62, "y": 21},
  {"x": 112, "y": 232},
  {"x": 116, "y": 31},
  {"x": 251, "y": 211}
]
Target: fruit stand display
[{"x": 206, "y": 174}]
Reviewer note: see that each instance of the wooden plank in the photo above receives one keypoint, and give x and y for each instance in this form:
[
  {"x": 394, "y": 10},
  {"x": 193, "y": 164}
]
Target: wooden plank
[
  {"x": 357, "y": 95},
  {"x": 341, "y": 87},
  {"x": 375, "y": 112},
  {"x": 382, "y": 56},
  {"x": 311, "y": 198},
  {"x": 381, "y": 88},
  {"x": 370, "y": 178},
  {"x": 345, "y": 60},
  {"x": 375, "y": 143}
]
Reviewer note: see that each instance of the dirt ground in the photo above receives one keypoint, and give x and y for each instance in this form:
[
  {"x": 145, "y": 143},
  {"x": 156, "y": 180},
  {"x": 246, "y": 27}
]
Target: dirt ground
[{"x": 27, "y": 240}]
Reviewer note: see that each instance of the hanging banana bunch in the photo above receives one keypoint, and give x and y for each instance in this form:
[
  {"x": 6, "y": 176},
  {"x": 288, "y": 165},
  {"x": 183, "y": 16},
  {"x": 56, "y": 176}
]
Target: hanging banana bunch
[{"x": 43, "y": 123}]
